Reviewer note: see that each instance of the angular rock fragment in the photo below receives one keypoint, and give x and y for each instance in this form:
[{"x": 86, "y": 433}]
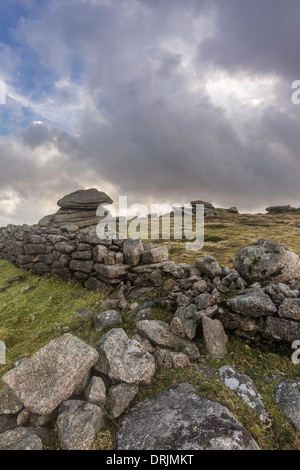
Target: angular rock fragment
[
  {"x": 119, "y": 398},
  {"x": 244, "y": 387},
  {"x": 77, "y": 424},
  {"x": 215, "y": 338},
  {"x": 123, "y": 359},
  {"x": 49, "y": 377}
]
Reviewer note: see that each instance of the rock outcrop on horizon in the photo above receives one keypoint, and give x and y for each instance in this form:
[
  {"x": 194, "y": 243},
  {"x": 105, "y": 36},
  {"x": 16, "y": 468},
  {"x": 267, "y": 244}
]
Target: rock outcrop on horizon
[
  {"x": 78, "y": 209},
  {"x": 280, "y": 209}
]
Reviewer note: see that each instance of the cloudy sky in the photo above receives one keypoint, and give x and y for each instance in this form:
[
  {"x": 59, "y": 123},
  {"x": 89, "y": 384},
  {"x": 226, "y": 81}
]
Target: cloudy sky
[{"x": 160, "y": 100}]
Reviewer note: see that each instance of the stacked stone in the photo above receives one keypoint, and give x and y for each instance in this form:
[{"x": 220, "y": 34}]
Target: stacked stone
[
  {"x": 81, "y": 255},
  {"x": 56, "y": 389},
  {"x": 78, "y": 208}
]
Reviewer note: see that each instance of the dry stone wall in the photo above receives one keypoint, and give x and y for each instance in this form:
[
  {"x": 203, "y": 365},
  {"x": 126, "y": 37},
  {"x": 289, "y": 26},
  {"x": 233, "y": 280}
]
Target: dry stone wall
[
  {"x": 100, "y": 264},
  {"x": 260, "y": 300}
]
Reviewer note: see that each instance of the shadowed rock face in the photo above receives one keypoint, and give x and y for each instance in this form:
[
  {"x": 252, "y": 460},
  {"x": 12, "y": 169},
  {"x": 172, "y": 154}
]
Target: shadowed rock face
[
  {"x": 177, "y": 419},
  {"x": 84, "y": 199}
]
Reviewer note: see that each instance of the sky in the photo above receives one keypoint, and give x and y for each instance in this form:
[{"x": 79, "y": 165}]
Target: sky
[{"x": 165, "y": 101}]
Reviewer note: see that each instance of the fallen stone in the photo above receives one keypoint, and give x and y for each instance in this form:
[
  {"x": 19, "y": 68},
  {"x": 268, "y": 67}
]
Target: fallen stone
[
  {"x": 186, "y": 315},
  {"x": 233, "y": 210},
  {"x": 49, "y": 377},
  {"x": 170, "y": 360},
  {"x": 215, "y": 338},
  {"x": 123, "y": 359},
  {"x": 23, "y": 417},
  {"x": 178, "y": 419},
  {"x": 286, "y": 208},
  {"x": 244, "y": 387},
  {"x": 119, "y": 398},
  {"x": 95, "y": 392},
  {"x": 144, "y": 314},
  {"x": 25, "y": 289},
  {"x": 144, "y": 342},
  {"x": 85, "y": 315},
  {"x": 77, "y": 424},
  {"x": 9, "y": 403},
  {"x": 288, "y": 401},
  {"x": 21, "y": 439},
  {"x": 94, "y": 284},
  {"x": 106, "y": 319},
  {"x": 160, "y": 334}
]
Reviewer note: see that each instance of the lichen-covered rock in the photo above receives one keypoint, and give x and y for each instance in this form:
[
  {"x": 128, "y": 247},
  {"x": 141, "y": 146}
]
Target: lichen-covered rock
[
  {"x": 123, "y": 359},
  {"x": 132, "y": 249},
  {"x": 160, "y": 334},
  {"x": 215, "y": 338},
  {"x": 144, "y": 314},
  {"x": 49, "y": 377},
  {"x": 111, "y": 271},
  {"x": 252, "y": 302},
  {"x": 288, "y": 401},
  {"x": 209, "y": 266},
  {"x": 290, "y": 308},
  {"x": 9, "y": 403},
  {"x": 244, "y": 387},
  {"x": 265, "y": 261},
  {"x": 22, "y": 439},
  {"x": 170, "y": 360},
  {"x": 281, "y": 329},
  {"x": 155, "y": 255},
  {"x": 107, "y": 318},
  {"x": 177, "y": 419},
  {"x": 77, "y": 424},
  {"x": 186, "y": 315}
]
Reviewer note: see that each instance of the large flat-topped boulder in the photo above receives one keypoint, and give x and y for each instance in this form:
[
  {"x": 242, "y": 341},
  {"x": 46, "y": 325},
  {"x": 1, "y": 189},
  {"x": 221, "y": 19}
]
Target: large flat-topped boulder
[
  {"x": 84, "y": 199},
  {"x": 49, "y": 377},
  {"x": 78, "y": 208}
]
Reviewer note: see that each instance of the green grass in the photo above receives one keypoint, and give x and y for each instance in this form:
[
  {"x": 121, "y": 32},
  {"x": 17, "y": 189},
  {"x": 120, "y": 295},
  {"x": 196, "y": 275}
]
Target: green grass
[{"x": 31, "y": 319}]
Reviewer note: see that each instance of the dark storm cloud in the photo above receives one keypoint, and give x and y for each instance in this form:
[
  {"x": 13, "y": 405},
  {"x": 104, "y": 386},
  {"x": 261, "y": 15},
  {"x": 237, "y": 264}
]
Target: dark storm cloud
[
  {"x": 146, "y": 124},
  {"x": 257, "y": 36}
]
